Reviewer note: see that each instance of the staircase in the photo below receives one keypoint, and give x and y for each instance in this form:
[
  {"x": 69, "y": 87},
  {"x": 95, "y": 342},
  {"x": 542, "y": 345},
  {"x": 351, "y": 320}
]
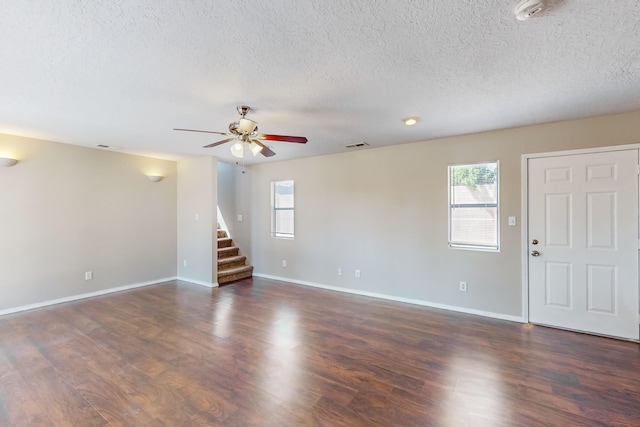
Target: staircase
[{"x": 231, "y": 265}]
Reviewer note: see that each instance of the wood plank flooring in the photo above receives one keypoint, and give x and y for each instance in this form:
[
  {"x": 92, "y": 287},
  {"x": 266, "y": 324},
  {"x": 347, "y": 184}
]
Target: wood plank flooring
[{"x": 265, "y": 353}]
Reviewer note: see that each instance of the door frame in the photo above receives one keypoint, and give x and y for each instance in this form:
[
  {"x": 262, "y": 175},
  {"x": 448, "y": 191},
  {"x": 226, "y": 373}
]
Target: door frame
[{"x": 525, "y": 209}]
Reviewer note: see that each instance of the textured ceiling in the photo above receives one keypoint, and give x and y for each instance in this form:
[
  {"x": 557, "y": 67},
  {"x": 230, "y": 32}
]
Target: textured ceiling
[{"x": 124, "y": 73}]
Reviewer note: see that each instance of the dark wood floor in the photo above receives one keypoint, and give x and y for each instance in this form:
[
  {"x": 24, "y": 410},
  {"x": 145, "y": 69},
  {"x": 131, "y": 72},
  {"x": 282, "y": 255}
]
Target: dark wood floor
[{"x": 265, "y": 353}]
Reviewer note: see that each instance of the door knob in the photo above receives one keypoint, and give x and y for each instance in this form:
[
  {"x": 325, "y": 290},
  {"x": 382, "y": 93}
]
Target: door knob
[
  {"x": 534, "y": 242},
  {"x": 535, "y": 253}
]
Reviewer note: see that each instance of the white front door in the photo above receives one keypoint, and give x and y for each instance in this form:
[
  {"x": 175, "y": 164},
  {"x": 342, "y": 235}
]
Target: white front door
[{"x": 583, "y": 242}]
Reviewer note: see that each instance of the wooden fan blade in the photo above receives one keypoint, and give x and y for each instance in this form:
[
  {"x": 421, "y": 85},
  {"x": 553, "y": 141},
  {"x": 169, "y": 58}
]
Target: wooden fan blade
[
  {"x": 298, "y": 139},
  {"x": 203, "y": 131},
  {"x": 266, "y": 151},
  {"x": 218, "y": 143}
]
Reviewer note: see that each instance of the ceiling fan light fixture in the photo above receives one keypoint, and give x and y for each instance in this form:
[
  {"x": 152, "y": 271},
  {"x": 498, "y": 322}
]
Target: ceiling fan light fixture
[
  {"x": 237, "y": 150},
  {"x": 410, "y": 121},
  {"x": 245, "y": 130},
  {"x": 247, "y": 126},
  {"x": 255, "y": 148}
]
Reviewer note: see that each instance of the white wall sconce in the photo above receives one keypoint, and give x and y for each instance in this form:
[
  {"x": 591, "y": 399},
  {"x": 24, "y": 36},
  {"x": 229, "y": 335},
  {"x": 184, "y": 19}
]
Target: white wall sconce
[
  {"x": 6, "y": 161},
  {"x": 155, "y": 178}
]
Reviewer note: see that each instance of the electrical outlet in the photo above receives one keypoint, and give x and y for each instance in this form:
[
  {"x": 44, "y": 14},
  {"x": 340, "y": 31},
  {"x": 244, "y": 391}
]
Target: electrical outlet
[
  {"x": 88, "y": 275},
  {"x": 357, "y": 273},
  {"x": 239, "y": 218},
  {"x": 184, "y": 263},
  {"x": 339, "y": 272},
  {"x": 284, "y": 263},
  {"x": 463, "y": 286}
]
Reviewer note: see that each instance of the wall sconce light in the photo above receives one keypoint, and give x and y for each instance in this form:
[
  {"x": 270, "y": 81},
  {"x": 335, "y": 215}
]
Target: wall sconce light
[
  {"x": 155, "y": 178},
  {"x": 6, "y": 161}
]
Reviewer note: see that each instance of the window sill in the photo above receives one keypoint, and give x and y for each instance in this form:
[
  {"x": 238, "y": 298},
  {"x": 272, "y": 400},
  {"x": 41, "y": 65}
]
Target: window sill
[{"x": 473, "y": 248}]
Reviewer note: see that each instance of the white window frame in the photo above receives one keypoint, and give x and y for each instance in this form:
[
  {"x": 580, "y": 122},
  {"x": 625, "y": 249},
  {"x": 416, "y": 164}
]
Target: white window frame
[
  {"x": 450, "y": 206},
  {"x": 275, "y": 209}
]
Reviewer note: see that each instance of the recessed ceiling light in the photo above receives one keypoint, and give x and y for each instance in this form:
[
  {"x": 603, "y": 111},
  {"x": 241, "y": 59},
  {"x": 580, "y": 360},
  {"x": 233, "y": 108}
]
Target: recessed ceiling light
[{"x": 410, "y": 121}]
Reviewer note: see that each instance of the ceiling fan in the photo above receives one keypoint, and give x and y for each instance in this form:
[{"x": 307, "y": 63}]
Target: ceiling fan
[{"x": 246, "y": 131}]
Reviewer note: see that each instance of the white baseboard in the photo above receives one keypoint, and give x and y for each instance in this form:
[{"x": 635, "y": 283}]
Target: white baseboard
[
  {"x": 198, "y": 282},
  {"x": 490, "y": 314},
  {"x": 84, "y": 296}
]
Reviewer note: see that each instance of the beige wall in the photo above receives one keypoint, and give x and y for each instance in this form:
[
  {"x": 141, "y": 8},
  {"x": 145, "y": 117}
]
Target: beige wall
[
  {"x": 65, "y": 210},
  {"x": 197, "y": 199},
  {"x": 384, "y": 211}
]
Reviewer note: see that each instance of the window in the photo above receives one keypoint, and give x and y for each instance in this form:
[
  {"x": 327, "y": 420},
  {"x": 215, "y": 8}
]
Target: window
[
  {"x": 473, "y": 206},
  {"x": 282, "y": 209}
]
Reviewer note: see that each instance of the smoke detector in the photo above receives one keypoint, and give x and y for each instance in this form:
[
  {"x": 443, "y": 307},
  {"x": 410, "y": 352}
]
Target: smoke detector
[{"x": 529, "y": 8}]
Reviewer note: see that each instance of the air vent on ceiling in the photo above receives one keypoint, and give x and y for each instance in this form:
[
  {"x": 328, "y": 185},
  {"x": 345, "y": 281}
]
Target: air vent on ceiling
[
  {"x": 357, "y": 145},
  {"x": 108, "y": 147}
]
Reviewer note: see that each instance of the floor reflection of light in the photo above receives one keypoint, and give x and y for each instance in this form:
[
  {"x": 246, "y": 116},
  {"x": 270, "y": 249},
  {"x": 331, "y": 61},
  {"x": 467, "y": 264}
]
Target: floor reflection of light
[
  {"x": 478, "y": 396},
  {"x": 221, "y": 313},
  {"x": 283, "y": 358}
]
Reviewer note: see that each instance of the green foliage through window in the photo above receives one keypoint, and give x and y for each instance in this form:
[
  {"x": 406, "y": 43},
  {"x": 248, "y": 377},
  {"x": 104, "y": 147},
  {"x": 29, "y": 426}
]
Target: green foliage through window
[{"x": 474, "y": 175}]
